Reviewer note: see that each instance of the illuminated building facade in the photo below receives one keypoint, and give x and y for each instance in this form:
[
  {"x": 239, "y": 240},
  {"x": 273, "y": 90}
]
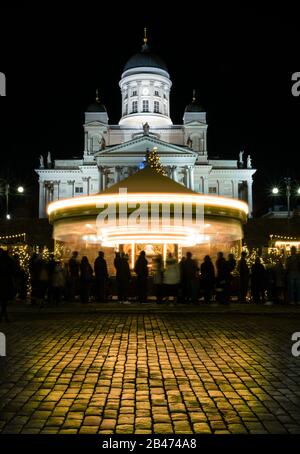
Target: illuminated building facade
[{"x": 113, "y": 153}]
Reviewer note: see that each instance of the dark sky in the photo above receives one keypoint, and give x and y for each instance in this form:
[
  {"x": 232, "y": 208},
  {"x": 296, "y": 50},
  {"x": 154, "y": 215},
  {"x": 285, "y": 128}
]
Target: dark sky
[{"x": 240, "y": 63}]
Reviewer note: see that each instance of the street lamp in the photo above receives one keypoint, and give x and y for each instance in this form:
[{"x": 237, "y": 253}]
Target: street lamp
[
  {"x": 288, "y": 187},
  {"x": 6, "y": 192}
]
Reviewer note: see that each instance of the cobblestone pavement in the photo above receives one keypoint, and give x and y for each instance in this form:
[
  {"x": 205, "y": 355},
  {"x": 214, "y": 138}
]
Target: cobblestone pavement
[{"x": 150, "y": 373}]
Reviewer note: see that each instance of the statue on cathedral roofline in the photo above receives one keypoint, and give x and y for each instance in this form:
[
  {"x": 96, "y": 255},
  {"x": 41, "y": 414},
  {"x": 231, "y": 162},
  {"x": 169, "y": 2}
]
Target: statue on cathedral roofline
[
  {"x": 189, "y": 142},
  {"x": 49, "y": 160},
  {"x": 249, "y": 165},
  {"x": 241, "y": 156},
  {"x": 146, "y": 128},
  {"x": 42, "y": 164}
]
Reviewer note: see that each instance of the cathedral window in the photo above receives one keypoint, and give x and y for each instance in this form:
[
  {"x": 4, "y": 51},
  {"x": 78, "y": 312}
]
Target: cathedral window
[
  {"x": 145, "y": 106},
  {"x": 134, "y": 93},
  {"x": 156, "y": 107},
  {"x": 212, "y": 190},
  {"x": 134, "y": 107},
  {"x": 156, "y": 93},
  {"x": 78, "y": 190}
]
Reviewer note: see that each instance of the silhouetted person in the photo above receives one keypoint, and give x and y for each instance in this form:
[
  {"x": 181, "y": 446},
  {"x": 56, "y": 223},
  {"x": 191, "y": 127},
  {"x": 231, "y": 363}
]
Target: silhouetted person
[
  {"x": 207, "y": 278},
  {"x": 279, "y": 280},
  {"x": 117, "y": 265},
  {"x": 158, "y": 274},
  {"x": 101, "y": 275},
  {"x": 171, "y": 278},
  {"x": 141, "y": 270},
  {"x": 222, "y": 279},
  {"x": 86, "y": 279},
  {"x": 258, "y": 277},
  {"x": 7, "y": 288},
  {"x": 124, "y": 278},
  {"x": 190, "y": 278},
  {"x": 243, "y": 270},
  {"x": 293, "y": 276},
  {"x": 73, "y": 275}
]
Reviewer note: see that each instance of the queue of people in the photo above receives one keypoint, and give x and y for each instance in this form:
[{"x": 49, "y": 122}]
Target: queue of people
[{"x": 185, "y": 282}]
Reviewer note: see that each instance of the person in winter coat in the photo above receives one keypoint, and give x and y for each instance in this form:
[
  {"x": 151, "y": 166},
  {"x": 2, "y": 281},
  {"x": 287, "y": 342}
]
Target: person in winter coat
[
  {"x": 279, "y": 280},
  {"x": 58, "y": 281},
  {"x": 141, "y": 270},
  {"x": 258, "y": 281},
  {"x": 7, "y": 287},
  {"x": 190, "y": 278},
  {"x": 124, "y": 278},
  {"x": 222, "y": 279},
  {"x": 171, "y": 277},
  {"x": 158, "y": 275},
  {"x": 207, "y": 278},
  {"x": 243, "y": 270},
  {"x": 293, "y": 276},
  {"x": 86, "y": 279},
  {"x": 101, "y": 276}
]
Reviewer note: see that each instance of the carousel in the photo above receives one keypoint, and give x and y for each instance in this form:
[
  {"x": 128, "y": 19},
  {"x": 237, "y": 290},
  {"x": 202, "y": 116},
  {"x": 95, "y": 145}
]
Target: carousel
[{"x": 148, "y": 211}]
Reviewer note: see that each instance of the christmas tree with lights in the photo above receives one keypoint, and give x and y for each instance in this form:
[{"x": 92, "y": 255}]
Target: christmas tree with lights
[{"x": 153, "y": 161}]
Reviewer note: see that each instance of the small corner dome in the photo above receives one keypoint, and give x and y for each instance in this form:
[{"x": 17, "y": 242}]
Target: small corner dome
[
  {"x": 194, "y": 107},
  {"x": 96, "y": 106},
  {"x": 145, "y": 58}
]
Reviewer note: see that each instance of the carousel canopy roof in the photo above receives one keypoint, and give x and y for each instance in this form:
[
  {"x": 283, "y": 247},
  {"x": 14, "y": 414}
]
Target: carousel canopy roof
[{"x": 149, "y": 181}]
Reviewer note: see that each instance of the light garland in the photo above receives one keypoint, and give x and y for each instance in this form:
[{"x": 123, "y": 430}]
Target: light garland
[{"x": 10, "y": 237}]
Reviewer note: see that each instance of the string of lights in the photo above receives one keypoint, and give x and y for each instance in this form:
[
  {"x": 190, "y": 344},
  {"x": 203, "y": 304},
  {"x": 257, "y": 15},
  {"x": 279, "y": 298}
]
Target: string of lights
[{"x": 11, "y": 237}]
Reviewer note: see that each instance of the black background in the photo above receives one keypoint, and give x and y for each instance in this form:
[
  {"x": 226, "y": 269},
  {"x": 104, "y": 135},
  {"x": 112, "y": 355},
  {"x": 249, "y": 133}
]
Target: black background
[{"x": 240, "y": 61}]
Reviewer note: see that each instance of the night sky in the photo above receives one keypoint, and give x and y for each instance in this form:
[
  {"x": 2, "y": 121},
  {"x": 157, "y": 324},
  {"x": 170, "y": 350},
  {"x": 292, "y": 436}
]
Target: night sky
[{"x": 240, "y": 64}]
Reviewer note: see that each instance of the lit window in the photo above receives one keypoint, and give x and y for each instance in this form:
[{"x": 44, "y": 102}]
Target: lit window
[
  {"x": 156, "y": 93},
  {"x": 134, "y": 107},
  {"x": 212, "y": 190},
  {"x": 79, "y": 190},
  {"x": 145, "y": 106},
  {"x": 156, "y": 107}
]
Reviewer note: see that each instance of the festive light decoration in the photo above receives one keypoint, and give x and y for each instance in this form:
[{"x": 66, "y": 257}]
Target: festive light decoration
[
  {"x": 14, "y": 237},
  {"x": 153, "y": 160},
  {"x": 197, "y": 199}
]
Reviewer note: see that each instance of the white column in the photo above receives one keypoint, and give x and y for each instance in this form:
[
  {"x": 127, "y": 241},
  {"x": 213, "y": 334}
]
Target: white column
[
  {"x": 250, "y": 202},
  {"x": 42, "y": 199},
  {"x": 235, "y": 189},
  {"x": 100, "y": 170},
  {"x": 87, "y": 181},
  {"x": 86, "y": 142},
  {"x": 187, "y": 177},
  {"x": 205, "y": 185},
  {"x": 118, "y": 172},
  {"x": 191, "y": 177}
]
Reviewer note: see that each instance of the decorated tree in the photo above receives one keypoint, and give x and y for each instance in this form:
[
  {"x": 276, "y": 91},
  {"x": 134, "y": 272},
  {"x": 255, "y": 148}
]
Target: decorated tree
[{"x": 153, "y": 160}]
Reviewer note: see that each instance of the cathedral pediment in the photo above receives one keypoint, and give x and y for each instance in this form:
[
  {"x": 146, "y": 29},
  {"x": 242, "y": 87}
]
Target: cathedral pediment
[
  {"x": 95, "y": 123},
  {"x": 195, "y": 123},
  {"x": 140, "y": 145}
]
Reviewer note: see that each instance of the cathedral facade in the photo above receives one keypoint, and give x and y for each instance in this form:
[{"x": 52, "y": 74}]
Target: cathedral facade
[{"x": 114, "y": 152}]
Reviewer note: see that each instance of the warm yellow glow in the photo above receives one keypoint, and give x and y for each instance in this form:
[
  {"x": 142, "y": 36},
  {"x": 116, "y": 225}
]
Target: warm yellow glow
[
  {"x": 284, "y": 244},
  {"x": 132, "y": 254},
  {"x": 197, "y": 199}
]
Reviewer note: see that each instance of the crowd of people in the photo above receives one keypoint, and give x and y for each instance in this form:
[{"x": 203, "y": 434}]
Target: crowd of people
[{"x": 185, "y": 282}]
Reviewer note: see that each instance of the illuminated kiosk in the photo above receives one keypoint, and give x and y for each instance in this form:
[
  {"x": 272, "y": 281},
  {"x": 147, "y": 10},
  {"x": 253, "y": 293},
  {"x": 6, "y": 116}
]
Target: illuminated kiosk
[{"x": 151, "y": 212}]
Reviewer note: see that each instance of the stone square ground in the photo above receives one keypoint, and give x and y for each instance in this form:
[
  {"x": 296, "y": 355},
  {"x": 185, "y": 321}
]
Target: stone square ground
[{"x": 170, "y": 373}]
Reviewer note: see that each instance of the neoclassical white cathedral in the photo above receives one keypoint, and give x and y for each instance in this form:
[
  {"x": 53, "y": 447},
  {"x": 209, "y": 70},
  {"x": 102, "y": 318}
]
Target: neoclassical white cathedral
[{"x": 114, "y": 152}]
